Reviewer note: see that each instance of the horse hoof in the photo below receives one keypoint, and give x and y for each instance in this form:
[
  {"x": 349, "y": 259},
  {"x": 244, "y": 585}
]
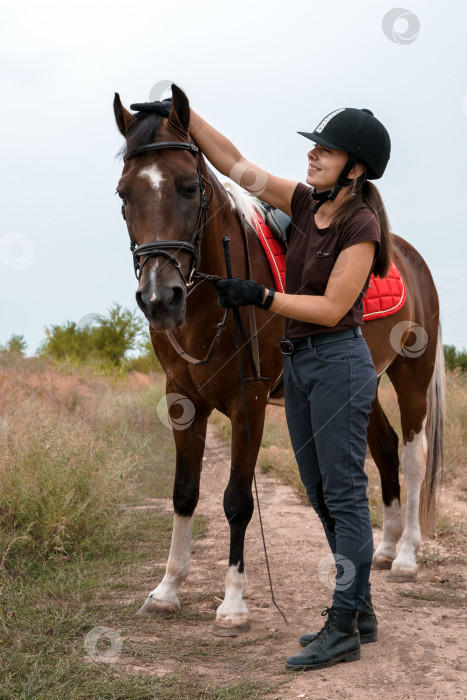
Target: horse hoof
[
  {"x": 158, "y": 607},
  {"x": 381, "y": 563},
  {"x": 402, "y": 575},
  {"x": 231, "y": 631}
]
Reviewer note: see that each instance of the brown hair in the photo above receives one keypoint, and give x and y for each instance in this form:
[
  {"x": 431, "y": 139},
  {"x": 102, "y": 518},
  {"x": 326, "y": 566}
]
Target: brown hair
[{"x": 366, "y": 196}]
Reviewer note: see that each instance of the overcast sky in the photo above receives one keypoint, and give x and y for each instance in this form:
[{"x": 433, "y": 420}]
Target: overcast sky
[{"x": 259, "y": 71}]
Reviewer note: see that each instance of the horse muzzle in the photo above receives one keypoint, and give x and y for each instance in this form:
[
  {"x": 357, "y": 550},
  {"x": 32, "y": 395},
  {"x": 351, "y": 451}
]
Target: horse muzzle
[{"x": 164, "y": 309}]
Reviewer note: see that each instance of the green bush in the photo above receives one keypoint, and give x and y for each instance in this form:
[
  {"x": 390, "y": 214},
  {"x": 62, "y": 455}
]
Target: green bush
[
  {"x": 109, "y": 339},
  {"x": 15, "y": 345},
  {"x": 147, "y": 361},
  {"x": 454, "y": 359}
]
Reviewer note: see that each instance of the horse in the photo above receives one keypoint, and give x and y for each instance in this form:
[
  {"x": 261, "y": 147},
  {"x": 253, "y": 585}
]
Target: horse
[{"x": 177, "y": 213}]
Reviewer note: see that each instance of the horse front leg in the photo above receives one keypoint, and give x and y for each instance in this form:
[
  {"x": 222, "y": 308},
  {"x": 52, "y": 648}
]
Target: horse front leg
[
  {"x": 189, "y": 444},
  {"x": 233, "y": 617}
]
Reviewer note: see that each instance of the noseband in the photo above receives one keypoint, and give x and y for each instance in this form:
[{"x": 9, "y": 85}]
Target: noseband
[{"x": 161, "y": 248}]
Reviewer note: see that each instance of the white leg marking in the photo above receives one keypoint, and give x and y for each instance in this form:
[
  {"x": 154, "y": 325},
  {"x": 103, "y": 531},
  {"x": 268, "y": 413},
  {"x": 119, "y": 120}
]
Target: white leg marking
[
  {"x": 414, "y": 465},
  {"x": 154, "y": 175},
  {"x": 233, "y": 611},
  {"x": 392, "y": 530},
  {"x": 164, "y": 597}
]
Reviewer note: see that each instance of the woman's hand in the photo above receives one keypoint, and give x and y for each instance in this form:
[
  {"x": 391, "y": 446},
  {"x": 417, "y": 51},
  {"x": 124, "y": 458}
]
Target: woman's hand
[{"x": 235, "y": 292}]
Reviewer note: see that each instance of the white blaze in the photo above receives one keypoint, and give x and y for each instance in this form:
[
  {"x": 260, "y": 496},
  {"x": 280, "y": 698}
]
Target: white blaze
[{"x": 154, "y": 175}]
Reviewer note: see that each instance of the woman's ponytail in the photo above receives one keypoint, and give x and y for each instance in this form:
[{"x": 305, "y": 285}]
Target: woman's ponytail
[
  {"x": 374, "y": 201},
  {"x": 366, "y": 196}
]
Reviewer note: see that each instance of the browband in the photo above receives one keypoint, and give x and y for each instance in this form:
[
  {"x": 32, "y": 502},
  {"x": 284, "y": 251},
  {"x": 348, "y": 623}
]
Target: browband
[{"x": 162, "y": 146}]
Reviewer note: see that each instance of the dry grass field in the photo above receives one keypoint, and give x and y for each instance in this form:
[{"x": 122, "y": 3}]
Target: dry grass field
[{"x": 86, "y": 470}]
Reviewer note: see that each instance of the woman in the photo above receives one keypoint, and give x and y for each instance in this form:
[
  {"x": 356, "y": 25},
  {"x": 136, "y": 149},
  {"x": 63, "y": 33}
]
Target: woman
[{"x": 339, "y": 235}]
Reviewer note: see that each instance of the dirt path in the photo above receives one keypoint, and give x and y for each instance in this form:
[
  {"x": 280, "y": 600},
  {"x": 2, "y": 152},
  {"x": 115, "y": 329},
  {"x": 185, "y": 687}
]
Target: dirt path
[{"x": 422, "y": 649}]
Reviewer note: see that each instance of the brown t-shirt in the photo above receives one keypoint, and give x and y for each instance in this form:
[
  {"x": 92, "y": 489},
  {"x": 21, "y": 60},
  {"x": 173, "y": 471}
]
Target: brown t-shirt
[{"x": 311, "y": 255}]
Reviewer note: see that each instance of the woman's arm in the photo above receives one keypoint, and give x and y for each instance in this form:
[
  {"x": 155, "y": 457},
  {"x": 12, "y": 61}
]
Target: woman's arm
[
  {"x": 347, "y": 279},
  {"x": 228, "y": 160}
]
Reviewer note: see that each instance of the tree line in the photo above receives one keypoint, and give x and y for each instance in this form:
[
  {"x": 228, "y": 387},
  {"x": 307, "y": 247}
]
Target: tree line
[{"x": 121, "y": 339}]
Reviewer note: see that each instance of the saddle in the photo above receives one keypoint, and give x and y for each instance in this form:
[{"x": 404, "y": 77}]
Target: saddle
[
  {"x": 279, "y": 222},
  {"x": 384, "y": 297}
]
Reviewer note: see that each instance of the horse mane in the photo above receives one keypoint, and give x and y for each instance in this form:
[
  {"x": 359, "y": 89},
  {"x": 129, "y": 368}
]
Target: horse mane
[
  {"x": 143, "y": 131},
  {"x": 246, "y": 205}
]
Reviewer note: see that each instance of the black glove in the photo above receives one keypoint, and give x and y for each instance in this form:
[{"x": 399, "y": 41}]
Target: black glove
[
  {"x": 235, "y": 292},
  {"x": 161, "y": 108}
]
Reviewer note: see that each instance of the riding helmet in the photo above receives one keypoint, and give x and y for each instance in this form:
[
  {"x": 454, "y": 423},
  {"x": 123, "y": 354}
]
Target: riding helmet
[{"x": 359, "y": 133}]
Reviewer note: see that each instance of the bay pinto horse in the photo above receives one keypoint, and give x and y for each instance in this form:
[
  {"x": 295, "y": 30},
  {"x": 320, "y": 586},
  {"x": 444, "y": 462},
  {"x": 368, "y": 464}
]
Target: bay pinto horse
[{"x": 177, "y": 213}]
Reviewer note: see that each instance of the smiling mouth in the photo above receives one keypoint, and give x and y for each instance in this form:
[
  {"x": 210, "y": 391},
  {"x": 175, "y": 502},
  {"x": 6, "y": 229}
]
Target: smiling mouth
[{"x": 313, "y": 169}]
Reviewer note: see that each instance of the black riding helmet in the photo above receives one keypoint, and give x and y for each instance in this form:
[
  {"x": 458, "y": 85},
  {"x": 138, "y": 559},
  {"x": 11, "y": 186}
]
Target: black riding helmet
[{"x": 359, "y": 133}]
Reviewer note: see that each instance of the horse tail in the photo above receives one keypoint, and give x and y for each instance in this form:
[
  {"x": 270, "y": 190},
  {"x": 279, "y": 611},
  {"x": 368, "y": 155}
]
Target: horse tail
[{"x": 434, "y": 435}]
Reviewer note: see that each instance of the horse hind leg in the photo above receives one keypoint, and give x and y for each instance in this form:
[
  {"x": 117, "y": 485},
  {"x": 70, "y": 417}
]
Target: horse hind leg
[
  {"x": 383, "y": 443},
  {"x": 412, "y": 393},
  {"x": 414, "y": 454},
  {"x": 190, "y": 448}
]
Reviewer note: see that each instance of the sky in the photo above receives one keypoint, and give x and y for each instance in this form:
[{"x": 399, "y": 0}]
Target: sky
[{"x": 259, "y": 72}]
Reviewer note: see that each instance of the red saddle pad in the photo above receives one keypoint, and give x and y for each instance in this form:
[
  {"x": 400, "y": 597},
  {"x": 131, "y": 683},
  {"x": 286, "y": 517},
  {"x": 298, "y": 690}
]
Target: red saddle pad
[{"x": 383, "y": 297}]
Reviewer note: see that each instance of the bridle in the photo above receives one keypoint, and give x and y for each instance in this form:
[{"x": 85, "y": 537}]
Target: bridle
[{"x": 161, "y": 248}]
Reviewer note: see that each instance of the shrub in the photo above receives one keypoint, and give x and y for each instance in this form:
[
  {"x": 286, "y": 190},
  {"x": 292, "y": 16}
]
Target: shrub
[
  {"x": 454, "y": 359},
  {"x": 109, "y": 340},
  {"x": 15, "y": 345}
]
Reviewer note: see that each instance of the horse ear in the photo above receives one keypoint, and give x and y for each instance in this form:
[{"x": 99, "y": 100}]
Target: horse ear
[
  {"x": 179, "y": 117},
  {"x": 123, "y": 118}
]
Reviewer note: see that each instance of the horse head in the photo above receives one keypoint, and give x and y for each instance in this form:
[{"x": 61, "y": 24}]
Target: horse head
[{"x": 164, "y": 205}]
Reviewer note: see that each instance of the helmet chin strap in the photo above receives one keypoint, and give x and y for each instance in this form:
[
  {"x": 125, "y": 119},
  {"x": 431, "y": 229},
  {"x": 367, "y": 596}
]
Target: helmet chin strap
[{"x": 342, "y": 181}]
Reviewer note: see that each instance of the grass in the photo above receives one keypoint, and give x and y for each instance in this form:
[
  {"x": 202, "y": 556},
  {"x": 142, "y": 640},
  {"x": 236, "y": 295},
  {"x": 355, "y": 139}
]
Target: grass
[{"x": 73, "y": 435}]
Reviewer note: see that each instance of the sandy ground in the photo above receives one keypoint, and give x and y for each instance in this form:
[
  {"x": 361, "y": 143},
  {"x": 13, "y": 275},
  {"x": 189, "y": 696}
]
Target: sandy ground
[{"x": 422, "y": 647}]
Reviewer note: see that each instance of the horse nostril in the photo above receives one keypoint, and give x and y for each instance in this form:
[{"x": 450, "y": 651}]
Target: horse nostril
[{"x": 177, "y": 298}]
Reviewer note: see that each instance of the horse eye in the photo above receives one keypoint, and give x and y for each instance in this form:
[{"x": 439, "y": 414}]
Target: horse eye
[{"x": 190, "y": 192}]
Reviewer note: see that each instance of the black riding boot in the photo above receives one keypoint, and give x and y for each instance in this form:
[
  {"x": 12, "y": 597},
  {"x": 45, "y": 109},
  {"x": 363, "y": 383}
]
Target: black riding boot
[
  {"x": 339, "y": 640},
  {"x": 366, "y": 621}
]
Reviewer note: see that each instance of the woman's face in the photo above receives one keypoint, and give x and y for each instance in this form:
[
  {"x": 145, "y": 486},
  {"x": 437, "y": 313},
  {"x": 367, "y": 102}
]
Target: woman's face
[{"x": 324, "y": 167}]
